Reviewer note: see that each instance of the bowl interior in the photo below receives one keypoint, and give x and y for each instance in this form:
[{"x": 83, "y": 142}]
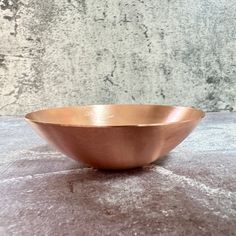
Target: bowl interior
[{"x": 115, "y": 115}]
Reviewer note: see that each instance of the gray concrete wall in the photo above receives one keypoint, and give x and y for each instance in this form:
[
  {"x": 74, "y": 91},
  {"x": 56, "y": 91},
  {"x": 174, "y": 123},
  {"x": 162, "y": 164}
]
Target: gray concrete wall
[{"x": 67, "y": 52}]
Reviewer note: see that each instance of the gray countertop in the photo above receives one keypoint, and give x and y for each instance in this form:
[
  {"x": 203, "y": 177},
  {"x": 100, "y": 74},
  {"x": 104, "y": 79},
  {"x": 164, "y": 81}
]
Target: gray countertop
[{"x": 190, "y": 192}]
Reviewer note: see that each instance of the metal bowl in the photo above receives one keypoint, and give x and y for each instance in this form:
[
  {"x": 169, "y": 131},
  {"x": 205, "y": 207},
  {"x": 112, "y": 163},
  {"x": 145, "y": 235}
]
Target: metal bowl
[{"x": 115, "y": 136}]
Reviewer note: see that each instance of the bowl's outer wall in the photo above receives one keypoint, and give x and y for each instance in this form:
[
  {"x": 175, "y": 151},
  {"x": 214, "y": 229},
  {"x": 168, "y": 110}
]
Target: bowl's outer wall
[{"x": 115, "y": 147}]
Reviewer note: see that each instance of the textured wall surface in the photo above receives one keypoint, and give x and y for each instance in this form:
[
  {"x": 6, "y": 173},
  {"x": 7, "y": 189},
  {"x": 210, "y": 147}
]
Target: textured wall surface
[{"x": 67, "y": 52}]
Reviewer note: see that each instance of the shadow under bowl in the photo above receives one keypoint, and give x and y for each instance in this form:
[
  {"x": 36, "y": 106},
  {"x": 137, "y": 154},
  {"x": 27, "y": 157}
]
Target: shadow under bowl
[{"x": 115, "y": 136}]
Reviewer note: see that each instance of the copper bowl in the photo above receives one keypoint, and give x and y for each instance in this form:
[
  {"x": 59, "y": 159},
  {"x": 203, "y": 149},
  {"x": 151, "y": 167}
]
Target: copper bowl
[{"x": 115, "y": 136}]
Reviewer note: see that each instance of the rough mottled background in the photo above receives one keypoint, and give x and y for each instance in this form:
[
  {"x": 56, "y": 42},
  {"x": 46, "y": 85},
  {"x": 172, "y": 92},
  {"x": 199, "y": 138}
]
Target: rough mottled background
[{"x": 64, "y": 52}]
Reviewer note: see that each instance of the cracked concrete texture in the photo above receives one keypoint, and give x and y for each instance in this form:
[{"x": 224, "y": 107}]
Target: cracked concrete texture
[{"x": 68, "y": 52}]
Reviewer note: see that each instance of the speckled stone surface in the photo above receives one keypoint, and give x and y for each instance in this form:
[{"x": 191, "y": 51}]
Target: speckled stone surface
[
  {"x": 190, "y": 192},
  {"x": 68, "y": 52}
]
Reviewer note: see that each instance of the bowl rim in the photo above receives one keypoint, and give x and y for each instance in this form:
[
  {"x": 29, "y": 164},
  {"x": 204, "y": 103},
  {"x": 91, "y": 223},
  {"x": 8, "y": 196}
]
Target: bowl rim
[{"x": 201, "y": 115}]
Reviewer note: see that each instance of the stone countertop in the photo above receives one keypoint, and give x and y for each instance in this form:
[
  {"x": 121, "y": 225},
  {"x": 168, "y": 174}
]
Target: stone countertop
[{"x": 190, "y": 192}]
